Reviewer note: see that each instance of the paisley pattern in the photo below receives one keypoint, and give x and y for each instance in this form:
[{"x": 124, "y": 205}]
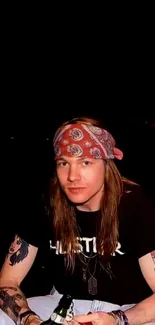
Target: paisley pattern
[
  {"x": 96, "y": 153},
  {"x": 76, "y": 134},
  {"x": 84, "y": 140},
  {"x": 95, "y": 129},
  {"x": 57, "y": 151},
  {"x": 75, "y": 150}
]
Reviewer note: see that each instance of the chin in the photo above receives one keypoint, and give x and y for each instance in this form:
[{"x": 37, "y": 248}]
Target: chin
[{"x": 76, "y": 200}]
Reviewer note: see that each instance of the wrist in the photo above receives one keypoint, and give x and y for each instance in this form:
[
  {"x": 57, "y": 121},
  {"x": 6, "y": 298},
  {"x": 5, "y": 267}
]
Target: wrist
[
  {"x": 30, "y": 318},
  {"x": 113, "y": 320},
  {"x": 26, "y": 315},
  {"x": 119, "y": 317}
]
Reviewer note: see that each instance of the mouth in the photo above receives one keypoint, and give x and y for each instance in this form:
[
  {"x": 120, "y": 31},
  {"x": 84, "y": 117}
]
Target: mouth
[{"x": 75, "y": 189}]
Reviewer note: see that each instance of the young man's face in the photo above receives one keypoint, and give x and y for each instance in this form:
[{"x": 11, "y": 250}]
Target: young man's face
[{"x": 82, "y": 180}]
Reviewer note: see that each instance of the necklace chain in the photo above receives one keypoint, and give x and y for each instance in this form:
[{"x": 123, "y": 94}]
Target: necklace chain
[
  {"x": 89, "y": 273},
  {"x": 89, "y": 276}
]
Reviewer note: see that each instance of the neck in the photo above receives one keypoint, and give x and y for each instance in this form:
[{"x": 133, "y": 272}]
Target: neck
[{"x": 85, "y": 208}]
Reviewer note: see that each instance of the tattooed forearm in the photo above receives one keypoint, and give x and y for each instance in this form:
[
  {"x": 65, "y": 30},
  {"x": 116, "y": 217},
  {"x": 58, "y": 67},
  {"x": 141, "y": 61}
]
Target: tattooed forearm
[
  {"x": 153, "y": 258},
  {"x": 11, "y": 288},
  {"x": 18, "y": 250},
  {"x": 12, "y": 303},
  {"x": 9, "y": 302}
]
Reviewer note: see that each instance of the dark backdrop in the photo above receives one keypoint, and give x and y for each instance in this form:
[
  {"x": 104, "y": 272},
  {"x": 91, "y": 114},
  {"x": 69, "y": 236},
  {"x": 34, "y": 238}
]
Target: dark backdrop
[{"x": 27, "y": 165}]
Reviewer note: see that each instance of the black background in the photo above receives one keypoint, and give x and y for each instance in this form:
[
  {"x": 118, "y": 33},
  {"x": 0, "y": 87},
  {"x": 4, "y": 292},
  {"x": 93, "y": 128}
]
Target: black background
[{"x": 50, "y": 74}]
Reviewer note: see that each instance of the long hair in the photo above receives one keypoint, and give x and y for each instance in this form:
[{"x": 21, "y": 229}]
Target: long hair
[{"x": 65, "y": 225}]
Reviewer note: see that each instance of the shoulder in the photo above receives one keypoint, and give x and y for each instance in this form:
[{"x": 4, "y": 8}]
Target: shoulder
[
  {"x": 137, "y": 219},
  {"x": 137, "y": 202}
]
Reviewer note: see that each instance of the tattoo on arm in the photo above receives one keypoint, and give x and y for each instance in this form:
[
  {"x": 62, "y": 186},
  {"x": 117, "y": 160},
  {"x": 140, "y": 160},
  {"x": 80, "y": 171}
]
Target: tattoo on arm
[
  {"x": 153, "y": 257},
  {"x": 11, "y": 288},
  {"x": 18, "y": 250},
  {"x": 9, "y": 303}
]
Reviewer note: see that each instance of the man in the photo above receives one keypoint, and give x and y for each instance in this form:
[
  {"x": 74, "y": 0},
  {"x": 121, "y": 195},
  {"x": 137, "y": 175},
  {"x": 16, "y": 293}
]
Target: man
[{"x": 101, "y": 233}]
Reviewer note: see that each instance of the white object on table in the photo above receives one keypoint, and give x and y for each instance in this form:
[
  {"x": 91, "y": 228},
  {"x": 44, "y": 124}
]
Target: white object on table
[{"x": 44, "y": 305}]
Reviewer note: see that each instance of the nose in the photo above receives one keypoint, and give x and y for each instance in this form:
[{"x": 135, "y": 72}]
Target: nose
[{"x": 73, "y": 173}]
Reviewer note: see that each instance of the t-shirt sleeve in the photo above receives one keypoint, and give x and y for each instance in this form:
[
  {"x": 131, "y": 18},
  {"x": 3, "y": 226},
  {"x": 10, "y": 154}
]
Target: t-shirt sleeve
[{"x": 141, "y": 222}]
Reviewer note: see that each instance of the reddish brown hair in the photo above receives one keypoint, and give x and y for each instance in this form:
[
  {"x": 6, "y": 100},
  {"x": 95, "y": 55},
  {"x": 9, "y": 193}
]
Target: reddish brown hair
[{"x": 65, "y": 226}]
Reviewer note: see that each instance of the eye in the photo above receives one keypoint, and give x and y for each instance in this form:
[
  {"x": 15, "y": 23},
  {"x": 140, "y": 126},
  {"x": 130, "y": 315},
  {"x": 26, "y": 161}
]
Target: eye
[
  {"x": 62, "y": 164},
  {"x": 86, "y": 163}
]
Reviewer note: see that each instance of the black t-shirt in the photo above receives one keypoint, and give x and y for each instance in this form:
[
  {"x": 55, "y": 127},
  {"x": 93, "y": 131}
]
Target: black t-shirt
[{"x": 122, "y": 282}]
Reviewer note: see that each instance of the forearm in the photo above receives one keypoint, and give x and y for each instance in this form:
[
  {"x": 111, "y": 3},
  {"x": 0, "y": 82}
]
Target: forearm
[
  {"x": 143, "y": 312},
  {"x": 12, "y": 301}
]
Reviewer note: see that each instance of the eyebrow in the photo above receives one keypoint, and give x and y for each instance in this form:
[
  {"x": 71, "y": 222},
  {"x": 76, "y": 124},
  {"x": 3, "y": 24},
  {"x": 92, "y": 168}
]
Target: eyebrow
[{"x": 78, "y": 158}]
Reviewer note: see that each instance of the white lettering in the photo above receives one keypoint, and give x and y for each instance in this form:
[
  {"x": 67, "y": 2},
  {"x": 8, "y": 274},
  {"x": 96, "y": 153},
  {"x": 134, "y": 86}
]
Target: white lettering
[
  {"x": 118, "y": 250},
  {"x": 94, "y": 245},
  {"x": 84, "y": 244},
  {"x": 87, "y": 243},
  {"x": 52, "y": 247}
]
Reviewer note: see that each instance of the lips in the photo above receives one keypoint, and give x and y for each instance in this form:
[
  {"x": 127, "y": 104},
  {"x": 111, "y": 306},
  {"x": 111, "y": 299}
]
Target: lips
[{"x": 75, "y": 189}]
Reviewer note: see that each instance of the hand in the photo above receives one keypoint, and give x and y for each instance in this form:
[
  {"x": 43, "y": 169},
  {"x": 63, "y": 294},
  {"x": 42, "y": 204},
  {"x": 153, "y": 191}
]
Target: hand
[
  {"x": 98, "y": 318},
  {"x": 33, "y": 320}
]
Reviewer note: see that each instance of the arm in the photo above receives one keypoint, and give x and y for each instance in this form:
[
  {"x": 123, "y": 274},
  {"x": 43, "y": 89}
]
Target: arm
[
  {"x": 144, "y": 312},
  {"x": 17, "y": 264}
]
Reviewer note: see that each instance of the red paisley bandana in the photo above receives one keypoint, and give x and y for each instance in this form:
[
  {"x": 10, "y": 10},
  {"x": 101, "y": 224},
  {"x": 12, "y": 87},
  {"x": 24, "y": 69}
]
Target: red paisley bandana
[{"x": 83, "y": 140}]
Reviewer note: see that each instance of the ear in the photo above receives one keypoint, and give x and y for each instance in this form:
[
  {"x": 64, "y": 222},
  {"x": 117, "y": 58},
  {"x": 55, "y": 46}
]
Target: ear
[{"x": 118, "y": 154}]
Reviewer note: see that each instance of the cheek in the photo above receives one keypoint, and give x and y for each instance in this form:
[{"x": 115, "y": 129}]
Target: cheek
[
  {"x": 60, "y": 175},
  {"x": 62, "y": 178},
  {"x": 100, "y": 178},
  {"x": 95, "y": 177},
  {"x": 95, "y": 183}
]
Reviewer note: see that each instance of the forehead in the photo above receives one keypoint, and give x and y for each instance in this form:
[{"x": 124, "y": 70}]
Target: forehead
[
  {"x": 73, "y": 159},
  {"x": 79, "y": 159}
]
